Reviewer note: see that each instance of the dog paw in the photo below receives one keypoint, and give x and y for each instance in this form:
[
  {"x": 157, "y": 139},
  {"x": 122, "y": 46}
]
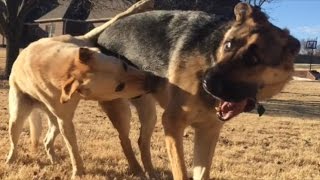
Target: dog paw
[
  {"x": 11, "y": 158},
  {"x": 137, "y": 171},
  {"x": 153, "y": 176},
  {"x": 52, "y": 155},
  {"x": 77, "y": 173},
  {"x": 9, "y": 161},
  {"x": 53, "y": 159}
]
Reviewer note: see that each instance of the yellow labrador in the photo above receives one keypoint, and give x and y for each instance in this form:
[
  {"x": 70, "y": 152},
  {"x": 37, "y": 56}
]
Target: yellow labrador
[{"x": 53, "y": 74}]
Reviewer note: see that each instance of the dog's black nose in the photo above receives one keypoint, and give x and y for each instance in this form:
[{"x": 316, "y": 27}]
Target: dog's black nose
[{"x": 219, "y": 85}]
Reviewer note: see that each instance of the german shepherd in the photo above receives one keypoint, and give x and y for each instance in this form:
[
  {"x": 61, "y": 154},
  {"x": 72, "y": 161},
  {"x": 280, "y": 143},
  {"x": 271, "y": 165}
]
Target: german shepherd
[{"x": 212, "y": 71}]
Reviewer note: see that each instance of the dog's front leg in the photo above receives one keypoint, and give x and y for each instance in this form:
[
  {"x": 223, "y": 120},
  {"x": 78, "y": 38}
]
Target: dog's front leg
[
  {"x": 174, "y": 126},
  {"x": 206, "y": 138},
  {"x": 69, "y": 135}
]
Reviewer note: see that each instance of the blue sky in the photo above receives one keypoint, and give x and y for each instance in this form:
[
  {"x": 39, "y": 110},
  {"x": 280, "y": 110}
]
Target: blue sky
[{"x": 301, "y": 17}]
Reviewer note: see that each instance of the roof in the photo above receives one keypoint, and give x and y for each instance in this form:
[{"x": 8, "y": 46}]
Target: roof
[
  {"x": 56, "y": 13},
  {"x": 84, "y": 10},
  {"x": 107, "y": 8}
]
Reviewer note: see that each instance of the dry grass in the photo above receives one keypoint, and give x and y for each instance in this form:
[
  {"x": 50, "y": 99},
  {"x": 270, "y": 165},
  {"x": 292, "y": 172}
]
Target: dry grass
[
  {"x": 2, "y": 60},
  {"x": 306, "y": 67},
  {"x": 282, "y": 144}
]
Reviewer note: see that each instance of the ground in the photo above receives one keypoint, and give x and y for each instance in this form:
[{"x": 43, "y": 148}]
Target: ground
[{"x": 282, "y": 144}]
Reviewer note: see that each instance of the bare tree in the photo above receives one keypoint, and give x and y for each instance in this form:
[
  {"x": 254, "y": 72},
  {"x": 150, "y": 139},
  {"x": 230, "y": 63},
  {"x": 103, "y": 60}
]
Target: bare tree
[
  {"x": 12, "y": 16},
  {"x": 257, "y": 3},
  {"x": 303, "y": 49},
  {"x": 218, "y": 7},
  {"x": 317, "y": 51}
]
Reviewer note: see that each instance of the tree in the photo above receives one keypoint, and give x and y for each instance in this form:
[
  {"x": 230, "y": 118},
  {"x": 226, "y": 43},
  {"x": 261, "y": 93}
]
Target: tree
[
  {"x": 317, "y": 51},
  {"x": 257, "y": 3},
  {"x": 219, "y": 7},
  {"x": 303, "y": 49},
  {"x": 12, "y": 16}
]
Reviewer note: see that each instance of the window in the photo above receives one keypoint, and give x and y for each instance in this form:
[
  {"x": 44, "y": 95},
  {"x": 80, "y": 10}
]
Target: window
[{"x": 50, "y": 28}]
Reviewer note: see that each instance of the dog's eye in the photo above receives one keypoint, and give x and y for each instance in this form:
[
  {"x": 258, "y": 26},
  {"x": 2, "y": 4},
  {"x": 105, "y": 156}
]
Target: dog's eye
[{"x": 228, "y": 46}]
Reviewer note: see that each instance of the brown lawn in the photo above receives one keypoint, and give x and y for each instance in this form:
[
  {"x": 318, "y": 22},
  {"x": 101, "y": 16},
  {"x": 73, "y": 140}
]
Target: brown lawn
[{"x": 282, "y": 144}]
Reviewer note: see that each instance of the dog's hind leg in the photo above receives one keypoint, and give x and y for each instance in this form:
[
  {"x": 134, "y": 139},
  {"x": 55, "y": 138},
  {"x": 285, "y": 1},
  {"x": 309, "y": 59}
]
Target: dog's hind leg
[
  {"x": 146, "y": 109},
  {"x": 119, "y": 114},
  {"x": 35, "y": 128},
  {"x": 20, "y": 106},
  {"x": 53, "y": 131},
  {"x": 205, "y": 140}
]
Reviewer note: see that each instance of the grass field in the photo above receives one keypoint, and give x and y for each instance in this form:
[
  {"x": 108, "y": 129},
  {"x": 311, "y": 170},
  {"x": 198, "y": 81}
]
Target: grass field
[
  {"x": 306, "y": 67},
  {"x": 282, "y": 144}
]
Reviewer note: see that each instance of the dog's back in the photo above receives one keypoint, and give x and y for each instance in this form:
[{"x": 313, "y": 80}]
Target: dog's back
[
  {"x": 34, "y": 69},
  {"x": 150, "y": 39}
]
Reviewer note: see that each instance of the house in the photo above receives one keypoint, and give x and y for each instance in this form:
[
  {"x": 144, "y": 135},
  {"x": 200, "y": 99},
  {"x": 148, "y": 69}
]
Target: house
[{"x": 75, "y": 17}]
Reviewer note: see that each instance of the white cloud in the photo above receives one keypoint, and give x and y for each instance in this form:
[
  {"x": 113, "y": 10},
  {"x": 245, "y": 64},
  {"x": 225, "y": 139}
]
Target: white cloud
[{"x": 311, "y": 30}]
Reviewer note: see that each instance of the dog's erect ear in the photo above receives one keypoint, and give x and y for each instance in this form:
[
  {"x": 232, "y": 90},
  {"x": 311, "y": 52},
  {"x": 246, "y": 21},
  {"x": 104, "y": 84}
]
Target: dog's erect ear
[
  {"x": 85, "y": 55},
  {"x": 68, "y": 88},
  {"x": 242, "y": 11}
]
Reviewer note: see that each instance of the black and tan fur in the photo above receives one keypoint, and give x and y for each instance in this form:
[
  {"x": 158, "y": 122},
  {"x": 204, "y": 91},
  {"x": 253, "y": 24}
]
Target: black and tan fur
[{"x": 202, "y": 59}]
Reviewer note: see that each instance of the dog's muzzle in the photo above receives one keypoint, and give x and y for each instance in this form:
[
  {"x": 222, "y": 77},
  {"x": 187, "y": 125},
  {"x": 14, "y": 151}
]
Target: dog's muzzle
[{"x": 235, "y": 97}]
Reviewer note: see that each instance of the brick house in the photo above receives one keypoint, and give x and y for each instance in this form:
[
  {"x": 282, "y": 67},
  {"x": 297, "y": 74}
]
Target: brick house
[
  {"x": 73, "y": 17},
  {"x": 77, "y": 17}
]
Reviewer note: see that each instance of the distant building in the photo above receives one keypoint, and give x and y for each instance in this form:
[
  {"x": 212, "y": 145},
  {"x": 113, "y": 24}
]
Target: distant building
[
  {"x": 76, "y": 17},
  {"x": 73, "y": 17}
]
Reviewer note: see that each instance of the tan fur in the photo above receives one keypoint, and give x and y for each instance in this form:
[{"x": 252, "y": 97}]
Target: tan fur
[
  {"x": 132, "y": 79},
  {"x": 53, "y": 74},
  {"x": 184, "y": 106},
  {"x": 181, "y": 95}
]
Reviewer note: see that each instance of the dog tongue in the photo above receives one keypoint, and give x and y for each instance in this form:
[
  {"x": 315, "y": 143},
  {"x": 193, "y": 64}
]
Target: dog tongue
[{"x": 229, "y": 110}]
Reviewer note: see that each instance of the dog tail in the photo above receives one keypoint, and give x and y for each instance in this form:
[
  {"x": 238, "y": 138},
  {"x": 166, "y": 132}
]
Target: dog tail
[
  {"x": 35, "y": 129},
  {"x": 140, "y": 6}
]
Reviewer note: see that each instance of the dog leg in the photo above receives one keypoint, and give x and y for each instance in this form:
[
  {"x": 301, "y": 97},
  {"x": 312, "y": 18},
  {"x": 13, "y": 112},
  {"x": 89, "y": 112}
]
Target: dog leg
[
  {"x": 53, "y": 131},
  {"x": 119, "y": 114},
  {"x": 174, "y": 127},
  {"x": 146, "y": 109},
  {"x": 69, "y": 135},
  {"x": 68, "y": 132},
  {"x": 35, "y": 128},
  {"x": 20, "y": 107},
  {"x": 206, "y": 138}
]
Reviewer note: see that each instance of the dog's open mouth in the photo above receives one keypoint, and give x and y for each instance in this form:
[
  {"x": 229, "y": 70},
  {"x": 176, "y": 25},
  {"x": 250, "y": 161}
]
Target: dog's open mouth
[{"x": 227, "y": 110}]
